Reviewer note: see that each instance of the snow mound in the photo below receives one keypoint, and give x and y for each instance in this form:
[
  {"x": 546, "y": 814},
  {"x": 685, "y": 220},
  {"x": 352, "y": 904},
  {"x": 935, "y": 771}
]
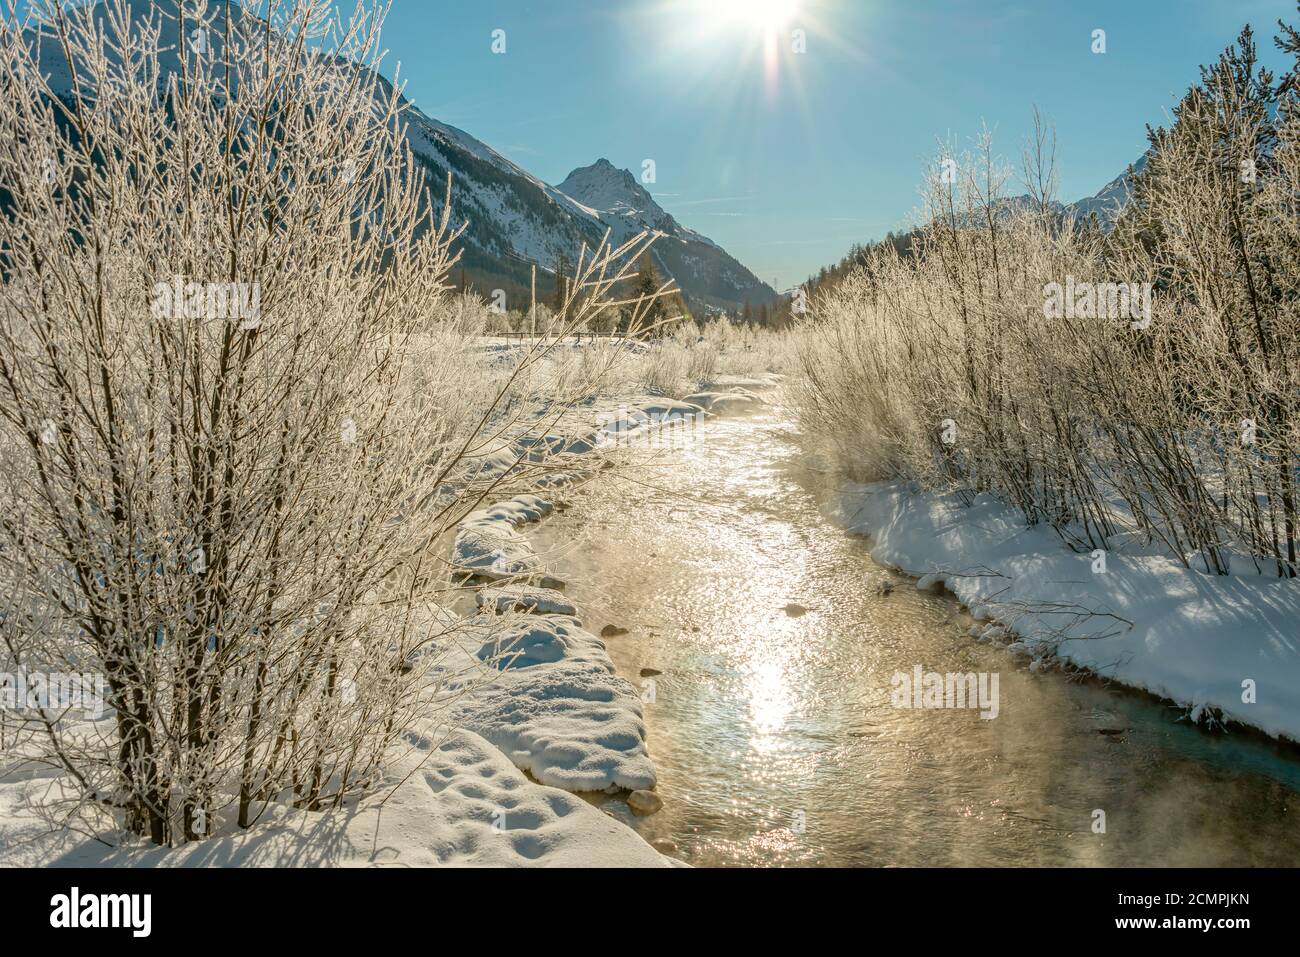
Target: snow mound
[
  {"x": 529, "y": 641},
  {"x": 557, "y": 709},
  {"x": 665, "y": 410},
  {"x": 736, "y": 381},
  {"x": 628, "y": 423},
  {"x": 488, "y": 545},
  {"x": 541, "y": 448},
  {"x": 737, "y": 400},
  {"x": 524, "y": 598}
]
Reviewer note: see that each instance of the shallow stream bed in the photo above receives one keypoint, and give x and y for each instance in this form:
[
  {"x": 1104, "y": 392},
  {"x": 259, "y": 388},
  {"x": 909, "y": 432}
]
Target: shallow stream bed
[{"x": 772, "y": 726}]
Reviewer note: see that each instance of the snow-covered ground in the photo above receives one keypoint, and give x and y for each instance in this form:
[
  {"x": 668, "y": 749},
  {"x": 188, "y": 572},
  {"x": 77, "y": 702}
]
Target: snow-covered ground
[
  {"x": 455, "y": 800},
  {"x": 556, "y": 706},
  {"x": 1221, "y": 646},
  {"x": 535, "y": 693}
]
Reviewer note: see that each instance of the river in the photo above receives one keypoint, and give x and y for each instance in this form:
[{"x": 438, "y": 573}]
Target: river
[{"x": 771, "y": 723}]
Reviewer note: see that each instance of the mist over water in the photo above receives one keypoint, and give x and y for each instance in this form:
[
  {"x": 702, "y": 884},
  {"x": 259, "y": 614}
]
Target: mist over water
[{"x": 772, "y": 727}]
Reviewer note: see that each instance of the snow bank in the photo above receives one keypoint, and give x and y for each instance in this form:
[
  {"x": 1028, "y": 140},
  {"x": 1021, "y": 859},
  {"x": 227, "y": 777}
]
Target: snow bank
[
  {"x": 578, "y": 431},
  {"x": 733, "y": 393},
  {"x": 631, "y": 423},
  {"x": 488, "y": 545},
  {"x": 540, "y": 448},
  {"x": 734, "y": 400},
  {"x": 729, "y": 381},
  {"x": 557, "y": 709},
  {"x": 540, "y": 601},
  {"x": 1140, "y": 618},
  {"x": 462, "y": 804}
]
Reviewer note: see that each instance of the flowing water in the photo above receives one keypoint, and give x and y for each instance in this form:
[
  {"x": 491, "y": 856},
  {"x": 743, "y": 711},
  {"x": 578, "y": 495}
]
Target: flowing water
[{"x": 772, "y": 727}]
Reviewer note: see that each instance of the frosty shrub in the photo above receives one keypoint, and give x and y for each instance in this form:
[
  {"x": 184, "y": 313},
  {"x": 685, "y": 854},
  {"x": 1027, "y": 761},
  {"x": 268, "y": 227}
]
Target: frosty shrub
[
  {"x": 1141, "y": 383},
  {"x": 691, "y": 355},
  {"x": 235, "y": 400}
]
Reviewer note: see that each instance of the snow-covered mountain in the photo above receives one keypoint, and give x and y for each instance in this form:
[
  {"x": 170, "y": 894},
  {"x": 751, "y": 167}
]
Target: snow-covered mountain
[
  {"x": 514, "y": 219},
  {"x": 700, "y": 266},
  {"x": 1109, "y": 201},
  {"x": 623, "y": 203}
]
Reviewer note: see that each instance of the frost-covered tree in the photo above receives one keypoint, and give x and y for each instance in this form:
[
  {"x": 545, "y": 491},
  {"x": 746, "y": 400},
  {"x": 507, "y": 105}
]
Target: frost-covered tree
[
  {"x": 950, "y": 361},
  {"x": 236, "y": 406}
]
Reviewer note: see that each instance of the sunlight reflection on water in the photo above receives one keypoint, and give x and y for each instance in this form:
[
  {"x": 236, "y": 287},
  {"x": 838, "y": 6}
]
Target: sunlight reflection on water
[{"x": 772, "y": 730}]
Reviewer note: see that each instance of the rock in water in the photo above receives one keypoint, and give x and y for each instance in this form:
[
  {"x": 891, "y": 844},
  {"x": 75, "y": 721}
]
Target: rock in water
[{"x": 644, "y": 803}]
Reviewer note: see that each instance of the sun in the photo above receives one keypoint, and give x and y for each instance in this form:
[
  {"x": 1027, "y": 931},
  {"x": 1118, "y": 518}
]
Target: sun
[
  {"x": 765, "y": 16},
  {"x": 725, "y": 45}
]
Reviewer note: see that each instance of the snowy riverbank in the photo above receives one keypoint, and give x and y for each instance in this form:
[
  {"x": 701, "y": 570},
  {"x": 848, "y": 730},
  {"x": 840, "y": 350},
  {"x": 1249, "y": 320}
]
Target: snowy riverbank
[
  {"x": 538, "y": 713},
  {"x": 557, "y": 708},
  {"x": 455, "y": 800},
  {"x": 1224, "y": 648}
]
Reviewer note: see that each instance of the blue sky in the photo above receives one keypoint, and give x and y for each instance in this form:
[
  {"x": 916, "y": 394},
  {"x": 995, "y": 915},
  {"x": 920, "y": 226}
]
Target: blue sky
[
  {"x": 787, "y": 172},
  {"x": 788, "y": 160},
  {"x": 787, "y": 168}
]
